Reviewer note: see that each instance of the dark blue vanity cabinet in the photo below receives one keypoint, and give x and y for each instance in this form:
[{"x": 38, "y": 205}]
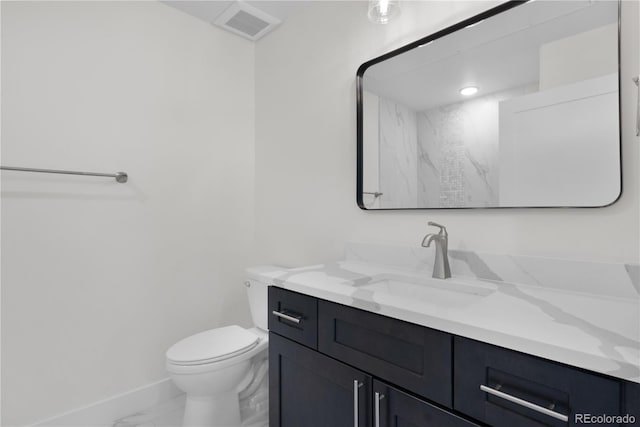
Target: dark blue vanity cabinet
[
  {"x": 396, "y": 408},
  {"x": 309, "y": 389},
  {"x": 488, "y": 377},
  {"x": 332, "y": 365},
  {"x": 415, "y": 357},
  {"x": 294, "y": 316},
  {"x": 631, "y": 400}
]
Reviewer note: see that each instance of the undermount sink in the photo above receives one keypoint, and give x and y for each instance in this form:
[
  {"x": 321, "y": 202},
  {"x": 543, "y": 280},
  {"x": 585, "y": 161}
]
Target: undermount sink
[{"x": 446, "y": 293}]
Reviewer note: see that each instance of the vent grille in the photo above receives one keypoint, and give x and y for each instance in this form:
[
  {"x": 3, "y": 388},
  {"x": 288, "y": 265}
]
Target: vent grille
[
  {"x": 247, "y": 21},
  {"x": 249, "y": 24}
]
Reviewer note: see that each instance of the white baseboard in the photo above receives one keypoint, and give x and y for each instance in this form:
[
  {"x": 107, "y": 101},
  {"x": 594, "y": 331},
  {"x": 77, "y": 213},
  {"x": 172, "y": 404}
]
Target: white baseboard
[{"x": 105, "y": 412}]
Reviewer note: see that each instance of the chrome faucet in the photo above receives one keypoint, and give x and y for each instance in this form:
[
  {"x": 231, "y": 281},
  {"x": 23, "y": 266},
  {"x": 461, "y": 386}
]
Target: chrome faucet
[{"x": 441, "y": 268}]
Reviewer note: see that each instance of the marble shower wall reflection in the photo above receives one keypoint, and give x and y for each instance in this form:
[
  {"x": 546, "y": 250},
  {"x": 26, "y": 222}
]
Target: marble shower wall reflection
[
  {"x": 398, "y": 167},
  {"x": 442, "y": 157},
  {"x": 459, "y": 151}
]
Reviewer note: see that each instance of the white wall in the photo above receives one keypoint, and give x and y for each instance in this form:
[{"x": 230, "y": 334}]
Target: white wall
[
  {"x": 100, "y": 278},
  {"x": 306, "y": 156},
  {"x": 546, "y": 134},
  {"x": 579, "y": 57}
]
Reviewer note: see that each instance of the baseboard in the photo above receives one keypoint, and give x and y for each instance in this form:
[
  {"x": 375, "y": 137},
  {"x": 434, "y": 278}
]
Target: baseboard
[{"x": 105, "y": 412}]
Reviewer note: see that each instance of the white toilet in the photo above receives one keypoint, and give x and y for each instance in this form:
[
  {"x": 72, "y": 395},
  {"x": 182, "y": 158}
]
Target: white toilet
[{"x": 213, "y": 366}]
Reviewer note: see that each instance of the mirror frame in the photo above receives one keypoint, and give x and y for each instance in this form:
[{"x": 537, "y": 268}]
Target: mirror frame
[{"x": 438, "y": 34}]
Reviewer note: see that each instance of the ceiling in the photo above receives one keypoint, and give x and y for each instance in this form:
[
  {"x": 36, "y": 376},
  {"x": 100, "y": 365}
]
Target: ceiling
[
  {"x": 209, "y": 10},
  {"x": 495, "y": 55}
]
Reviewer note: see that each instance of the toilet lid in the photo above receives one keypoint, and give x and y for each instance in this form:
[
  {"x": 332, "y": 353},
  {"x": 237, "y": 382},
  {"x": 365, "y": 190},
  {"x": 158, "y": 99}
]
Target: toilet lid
[{"x": 212, "y": 345}]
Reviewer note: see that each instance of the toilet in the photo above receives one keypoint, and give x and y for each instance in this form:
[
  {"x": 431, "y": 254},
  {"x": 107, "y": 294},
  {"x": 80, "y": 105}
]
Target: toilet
[{"x": 214, "y": 366}]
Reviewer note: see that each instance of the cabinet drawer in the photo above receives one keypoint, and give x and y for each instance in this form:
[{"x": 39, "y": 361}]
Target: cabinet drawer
[
  {"x": 394, "y": 408},
  {"x": 294, "y": 316},
  {"x": 512, "y": 382},
  {"x": 419, "y": 358}
]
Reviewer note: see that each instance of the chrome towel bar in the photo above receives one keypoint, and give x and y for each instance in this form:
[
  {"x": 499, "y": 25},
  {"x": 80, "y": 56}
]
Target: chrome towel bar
[{"x": 120, "y": 177}]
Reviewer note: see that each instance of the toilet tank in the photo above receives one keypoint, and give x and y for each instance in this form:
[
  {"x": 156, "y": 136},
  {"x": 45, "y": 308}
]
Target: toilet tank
[{"x": 257, "y": 284}]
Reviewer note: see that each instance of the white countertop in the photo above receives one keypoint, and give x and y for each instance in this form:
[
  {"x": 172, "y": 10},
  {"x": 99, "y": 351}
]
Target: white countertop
[{"x": 595, "y": 332}]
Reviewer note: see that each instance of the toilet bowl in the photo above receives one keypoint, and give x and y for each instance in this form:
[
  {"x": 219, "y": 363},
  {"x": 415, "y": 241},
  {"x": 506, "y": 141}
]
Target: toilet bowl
[{"x": 214, "y": 366}]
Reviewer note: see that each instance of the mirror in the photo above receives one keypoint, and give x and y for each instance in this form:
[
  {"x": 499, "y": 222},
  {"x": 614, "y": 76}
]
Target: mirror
[{"x": 515, "y": 107}]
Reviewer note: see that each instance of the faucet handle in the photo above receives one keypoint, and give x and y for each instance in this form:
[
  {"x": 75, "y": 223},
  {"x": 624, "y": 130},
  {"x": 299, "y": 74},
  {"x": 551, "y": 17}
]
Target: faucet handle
[{"x": 443, "y": 229}]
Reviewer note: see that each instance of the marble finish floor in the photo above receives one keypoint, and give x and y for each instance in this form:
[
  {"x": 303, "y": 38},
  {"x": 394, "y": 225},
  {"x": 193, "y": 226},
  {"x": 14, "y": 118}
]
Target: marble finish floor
[
  {"x": 166, "y": 414},
  {"x": 169, "y": 414}
]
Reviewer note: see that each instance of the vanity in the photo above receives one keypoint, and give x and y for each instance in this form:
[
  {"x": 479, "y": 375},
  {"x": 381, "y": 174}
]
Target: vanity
[
  {"x": 498, "y": 111},
  {"x": 362, "y": 343}
]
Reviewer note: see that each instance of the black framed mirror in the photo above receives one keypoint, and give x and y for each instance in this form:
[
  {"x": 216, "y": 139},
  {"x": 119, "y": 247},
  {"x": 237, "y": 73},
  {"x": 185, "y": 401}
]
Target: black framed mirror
[{"x": 518, "y": 106}]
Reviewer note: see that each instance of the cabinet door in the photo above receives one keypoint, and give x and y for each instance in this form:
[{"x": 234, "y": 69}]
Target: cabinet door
[
  {"x": 631, "y": 402},
  {"x": 307, "y": 389},
  {"x": 394, "y": 408}
]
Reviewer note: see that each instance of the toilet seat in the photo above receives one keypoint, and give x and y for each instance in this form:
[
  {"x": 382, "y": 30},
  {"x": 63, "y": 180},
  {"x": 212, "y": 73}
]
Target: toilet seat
[{"x": 212, "y": 346}]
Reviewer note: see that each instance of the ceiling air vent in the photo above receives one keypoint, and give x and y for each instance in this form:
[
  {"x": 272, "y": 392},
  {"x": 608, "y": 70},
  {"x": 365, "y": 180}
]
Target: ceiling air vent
[{"x": 246, "y": 21}]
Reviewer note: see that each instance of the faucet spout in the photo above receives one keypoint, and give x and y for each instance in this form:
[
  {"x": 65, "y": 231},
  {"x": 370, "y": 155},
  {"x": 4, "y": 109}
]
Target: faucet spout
[
  {"x": 441, "y": 269},
  {"x": 426, "y": 242}
]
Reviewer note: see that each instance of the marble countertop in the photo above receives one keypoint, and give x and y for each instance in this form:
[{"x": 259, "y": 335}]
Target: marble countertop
[{"x": 592, "y": 331}]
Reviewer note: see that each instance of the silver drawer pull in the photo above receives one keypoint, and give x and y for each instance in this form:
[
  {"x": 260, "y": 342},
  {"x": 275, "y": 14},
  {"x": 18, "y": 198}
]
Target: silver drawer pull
[
  {"x": 356, "y": 387},
  {"x": 636, "y": 80},
  {"x": 378, "y": 398},
  {"x": 287, "y": 317},
  {"x": 518, "y": 401}
]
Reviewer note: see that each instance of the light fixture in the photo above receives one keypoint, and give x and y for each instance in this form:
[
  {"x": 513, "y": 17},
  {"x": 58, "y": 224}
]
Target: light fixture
[
  {"x": 469, "y": 90},
  {"x": 382, "y": 11}
]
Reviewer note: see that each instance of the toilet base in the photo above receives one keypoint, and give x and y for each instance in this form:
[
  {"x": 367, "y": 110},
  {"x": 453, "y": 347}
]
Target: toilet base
[{"x": 217, "y": 410}]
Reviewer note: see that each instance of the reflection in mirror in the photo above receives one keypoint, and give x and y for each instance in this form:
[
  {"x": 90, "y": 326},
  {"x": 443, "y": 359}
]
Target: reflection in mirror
[{"x": 517, "y": 107}]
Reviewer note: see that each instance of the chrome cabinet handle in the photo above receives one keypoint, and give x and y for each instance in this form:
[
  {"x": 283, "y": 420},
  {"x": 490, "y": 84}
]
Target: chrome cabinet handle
[
  {"x": 378, "y": 398},
  {"x": 356, "y": 387},
  {"x": 526, "y": 404},
  {"x": 636, "y": 80},
  {"x": 287, "y": 317}
]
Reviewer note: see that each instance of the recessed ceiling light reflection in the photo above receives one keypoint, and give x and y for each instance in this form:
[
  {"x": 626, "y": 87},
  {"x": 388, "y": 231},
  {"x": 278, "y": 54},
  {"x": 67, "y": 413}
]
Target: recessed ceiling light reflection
[{"x": 469, "y": 90}]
